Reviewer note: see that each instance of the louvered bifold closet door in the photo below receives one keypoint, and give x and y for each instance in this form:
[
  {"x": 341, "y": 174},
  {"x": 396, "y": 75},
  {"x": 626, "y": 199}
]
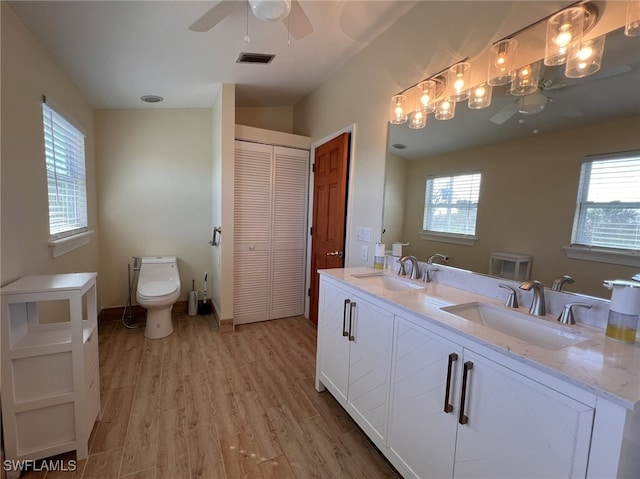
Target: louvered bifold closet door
[
  {"x": 289, "y": 227},
  {"x": 252, "y": 232}
]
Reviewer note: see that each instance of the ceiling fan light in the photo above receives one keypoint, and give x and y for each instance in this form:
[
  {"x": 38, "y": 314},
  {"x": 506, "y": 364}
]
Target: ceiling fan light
[
  {"x": 459, "y": 77},
  {"x": 585, "y": 58},
  {"x": 480, "y": 96},
  {"x": 270, "y": 10},
  {"x": 532, "y": 103},
  {"x": 563, "y": 29},
  {"x": 525, "y": 79},
  {"x": 445, "y": 109},
  {"x": 501, "y": 56},
  {"x": 632, "y": 26},
  {"x": 398, "y": 114}
]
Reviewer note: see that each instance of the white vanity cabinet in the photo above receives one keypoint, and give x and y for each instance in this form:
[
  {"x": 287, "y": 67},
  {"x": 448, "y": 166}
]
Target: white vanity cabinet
[
  {"x": 354, "y": 356},
  {"x": 455, "y": 413},
  {"x": 50, "y": 374},
  {"x": 421, "y": 435}
]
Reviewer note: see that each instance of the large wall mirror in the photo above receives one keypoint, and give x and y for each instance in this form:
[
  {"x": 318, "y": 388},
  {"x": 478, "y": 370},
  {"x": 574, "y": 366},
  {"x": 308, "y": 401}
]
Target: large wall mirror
[{"x": 530, "y": 156}]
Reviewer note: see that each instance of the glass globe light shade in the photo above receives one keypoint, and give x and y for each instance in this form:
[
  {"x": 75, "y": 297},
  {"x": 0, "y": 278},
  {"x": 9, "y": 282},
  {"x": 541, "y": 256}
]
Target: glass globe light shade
[
  {"x": 585, "y": 58},
  {"x": 398, "y": 113},
  {"x": 563, "y": 29},
  {"x": 501, "y": 57},
  {"x": 270, "y": 10},
  {"x": 480, "y": 96}
]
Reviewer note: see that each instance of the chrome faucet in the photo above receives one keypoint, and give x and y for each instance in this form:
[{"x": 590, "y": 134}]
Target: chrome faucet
[
  {"x": 560, "y": 281},
  {"x": 433, "y": 257},
  {"x": 415, "y": 267},
  {"x": 512, "y": 300},
  {"x": 537, "y": 304}
]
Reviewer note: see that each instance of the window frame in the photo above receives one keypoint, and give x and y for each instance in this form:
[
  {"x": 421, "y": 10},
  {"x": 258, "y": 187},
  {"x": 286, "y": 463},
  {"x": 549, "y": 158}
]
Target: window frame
[
  {"x": 449, "y": 236},
  {"x": 65, "y": 169},
  {"x": 583, "y": 250}
]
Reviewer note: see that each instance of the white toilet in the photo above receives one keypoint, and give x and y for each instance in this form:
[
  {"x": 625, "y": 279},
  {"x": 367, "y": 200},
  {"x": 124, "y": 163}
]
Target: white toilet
[{"x": 158, "y": 290}]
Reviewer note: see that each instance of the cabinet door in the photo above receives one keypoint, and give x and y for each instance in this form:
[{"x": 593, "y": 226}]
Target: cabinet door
[
  {"x": 421, "y": 434},
  {"x": 333, "y": 345},
  {"x": 371, "y": 337},
  {"x": 519, "y": 428}
]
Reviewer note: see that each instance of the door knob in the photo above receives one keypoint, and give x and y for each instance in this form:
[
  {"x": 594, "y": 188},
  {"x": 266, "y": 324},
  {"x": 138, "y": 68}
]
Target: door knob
[{"x": 334, "y": 253}]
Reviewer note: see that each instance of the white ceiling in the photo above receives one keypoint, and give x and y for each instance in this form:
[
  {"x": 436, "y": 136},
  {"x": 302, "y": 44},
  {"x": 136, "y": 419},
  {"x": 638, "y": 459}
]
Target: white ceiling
[{"x": 117, "y": 51}]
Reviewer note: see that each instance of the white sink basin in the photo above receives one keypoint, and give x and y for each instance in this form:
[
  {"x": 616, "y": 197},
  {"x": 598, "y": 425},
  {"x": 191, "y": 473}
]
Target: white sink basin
[
  {"x": 535, "y": 331},
  {"x": 388, "y": 282}
]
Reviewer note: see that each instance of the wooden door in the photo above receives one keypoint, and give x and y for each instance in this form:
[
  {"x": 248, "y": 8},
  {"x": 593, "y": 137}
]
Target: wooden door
[{"x": 329, "y": 212}]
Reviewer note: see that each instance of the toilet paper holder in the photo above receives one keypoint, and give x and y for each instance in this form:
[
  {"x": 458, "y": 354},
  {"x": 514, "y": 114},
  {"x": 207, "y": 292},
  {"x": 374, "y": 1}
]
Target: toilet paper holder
[{"x": 217, "y": 234}]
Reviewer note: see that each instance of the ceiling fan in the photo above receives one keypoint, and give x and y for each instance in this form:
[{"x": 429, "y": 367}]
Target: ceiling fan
[{"x": 266, "y": 10}]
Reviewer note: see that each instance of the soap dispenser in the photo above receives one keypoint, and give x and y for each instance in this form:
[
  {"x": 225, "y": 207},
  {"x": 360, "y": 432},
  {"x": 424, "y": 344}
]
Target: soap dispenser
[{"x": 624, "y": 309}]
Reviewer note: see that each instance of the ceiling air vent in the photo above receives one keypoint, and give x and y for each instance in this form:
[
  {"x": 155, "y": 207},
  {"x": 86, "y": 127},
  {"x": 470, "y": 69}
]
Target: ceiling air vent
[{"x": 255, "y": 58}]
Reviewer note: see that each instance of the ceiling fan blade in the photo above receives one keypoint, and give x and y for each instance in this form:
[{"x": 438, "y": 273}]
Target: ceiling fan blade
[
  {"x": 505, "y": 113},
  {"x": 297, "y": 21},
  {"x": 214, "y": 16}
]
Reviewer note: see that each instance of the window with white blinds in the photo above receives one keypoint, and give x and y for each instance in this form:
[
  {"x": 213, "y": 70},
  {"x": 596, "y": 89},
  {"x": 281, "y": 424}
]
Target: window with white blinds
[
  {"x": 608, "y": 205},
  {"x": 66, "y": 177},
  {"x": 451, "y": 204}
]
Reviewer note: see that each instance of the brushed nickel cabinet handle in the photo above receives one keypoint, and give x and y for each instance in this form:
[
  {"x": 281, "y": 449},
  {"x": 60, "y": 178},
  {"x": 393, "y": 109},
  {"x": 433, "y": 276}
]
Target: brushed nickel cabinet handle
[
  {"x": 468, "y": 366},
  {"x": 352, "y": 306},
  {"x": 344, "y": 318},
  {"x": 448, "y": 407}
]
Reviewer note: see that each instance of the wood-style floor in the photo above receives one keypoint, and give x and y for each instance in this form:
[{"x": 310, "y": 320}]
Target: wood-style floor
[{"x": 199, "y": 404}]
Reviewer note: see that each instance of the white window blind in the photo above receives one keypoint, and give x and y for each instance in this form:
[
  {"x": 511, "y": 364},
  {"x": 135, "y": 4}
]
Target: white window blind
[
  {"x": 451, "y": 204},
  {"x": 66, "y": 178},
  {"x": 608, "y": 205}
]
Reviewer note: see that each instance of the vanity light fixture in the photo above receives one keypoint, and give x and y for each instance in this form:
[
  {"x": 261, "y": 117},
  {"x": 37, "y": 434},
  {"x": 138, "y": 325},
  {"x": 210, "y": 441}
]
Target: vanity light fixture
[
  {"x": 480, "y": 96},
  {"x": 398, "y": 114},
  {"x": 525, "y": 79},
  {"x": 501, "y": 57},
  {"x": 585, "y": 58},
  {"x": 445, "y": 108},
  {"x": 632, "y": 26},
  {"x": 459, "y": 79}
]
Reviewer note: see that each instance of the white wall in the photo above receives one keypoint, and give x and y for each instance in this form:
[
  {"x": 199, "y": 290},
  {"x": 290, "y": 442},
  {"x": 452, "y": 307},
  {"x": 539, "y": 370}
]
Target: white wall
[
  {"x": 223, "y": 126},
  {"x": 28, "y": 72},
  {"x": 155, "y": 196},
  {"x": 270, "y": 118}
]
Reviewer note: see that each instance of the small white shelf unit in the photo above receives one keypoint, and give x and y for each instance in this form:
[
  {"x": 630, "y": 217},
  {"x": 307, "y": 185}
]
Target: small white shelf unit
[
  {"x": 514, "y": 266},
  {"x": 50, "y": 371}
]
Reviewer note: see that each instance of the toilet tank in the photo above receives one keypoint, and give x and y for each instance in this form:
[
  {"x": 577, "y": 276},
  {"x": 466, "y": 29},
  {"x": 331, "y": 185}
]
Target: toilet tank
[{"x": 159, "y": 268}]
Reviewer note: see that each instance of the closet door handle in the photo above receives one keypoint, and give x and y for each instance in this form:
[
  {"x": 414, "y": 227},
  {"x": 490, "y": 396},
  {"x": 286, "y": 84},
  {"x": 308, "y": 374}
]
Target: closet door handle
[
  {"x": 344, "y": 318},
  {"x": 462, "y": 418},
  {"x": 335, "y": 253},
  {"x": 352, "y": 307},
  {"x": 453, "y": 357}
]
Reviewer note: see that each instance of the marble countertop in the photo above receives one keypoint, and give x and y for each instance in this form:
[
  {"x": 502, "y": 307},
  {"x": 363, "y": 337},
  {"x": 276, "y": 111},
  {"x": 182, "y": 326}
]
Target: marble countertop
[{"x": 599, "y": 364}]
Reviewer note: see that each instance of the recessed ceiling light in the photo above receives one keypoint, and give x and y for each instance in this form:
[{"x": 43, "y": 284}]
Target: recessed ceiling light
[{"x": 151, "y": 98}]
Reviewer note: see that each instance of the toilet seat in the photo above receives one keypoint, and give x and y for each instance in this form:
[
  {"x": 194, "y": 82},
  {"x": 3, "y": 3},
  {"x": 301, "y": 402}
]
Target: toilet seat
[{"x": 156, "y": 290}]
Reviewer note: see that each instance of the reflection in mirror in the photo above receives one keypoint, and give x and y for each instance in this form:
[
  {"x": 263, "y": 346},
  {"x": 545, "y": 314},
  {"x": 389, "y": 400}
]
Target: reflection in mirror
[{"x": 529, "y": 151}]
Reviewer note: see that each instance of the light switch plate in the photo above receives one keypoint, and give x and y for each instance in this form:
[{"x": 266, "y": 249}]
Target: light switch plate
[
  {"x": 364, "y": 252},
  {"x": 363, "y": 234}
]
